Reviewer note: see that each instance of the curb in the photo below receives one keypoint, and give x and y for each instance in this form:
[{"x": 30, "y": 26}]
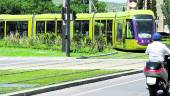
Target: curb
[
  {"x": 71, "y": 84},
  {"x": 86, "y": 57}
]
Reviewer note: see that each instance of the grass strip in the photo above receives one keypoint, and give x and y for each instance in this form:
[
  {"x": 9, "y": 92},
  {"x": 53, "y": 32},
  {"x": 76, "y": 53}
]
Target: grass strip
[
  {"x": 29, "y": 52},
  {"x": 77, "y": 74},
  {"x": 14, "y": 52}
]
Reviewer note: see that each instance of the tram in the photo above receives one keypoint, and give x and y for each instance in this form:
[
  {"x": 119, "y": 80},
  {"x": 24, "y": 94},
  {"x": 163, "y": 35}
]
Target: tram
[
  {"x": 133, "y": 29},
  {"x": 129, "y": 30}
]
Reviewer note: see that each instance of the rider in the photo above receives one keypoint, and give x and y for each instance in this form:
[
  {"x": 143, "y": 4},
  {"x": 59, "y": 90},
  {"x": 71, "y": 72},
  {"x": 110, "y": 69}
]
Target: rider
[{"x": 156, "y": 50}]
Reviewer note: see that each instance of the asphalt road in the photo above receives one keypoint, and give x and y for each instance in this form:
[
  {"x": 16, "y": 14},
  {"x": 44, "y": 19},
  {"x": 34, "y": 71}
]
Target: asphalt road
[{"x": 133, "y": 85}]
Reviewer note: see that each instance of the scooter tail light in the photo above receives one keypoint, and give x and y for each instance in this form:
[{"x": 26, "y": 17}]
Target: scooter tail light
[{"x": 155, "y": 71}]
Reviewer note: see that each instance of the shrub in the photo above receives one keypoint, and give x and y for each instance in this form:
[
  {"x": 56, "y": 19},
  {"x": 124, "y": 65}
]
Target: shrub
[
  {"x": 51, "y": 41},
  {"x": 41, "y": 41},
  {"x": 86, "y": 45},
  {"x": 101, "y": 43}
]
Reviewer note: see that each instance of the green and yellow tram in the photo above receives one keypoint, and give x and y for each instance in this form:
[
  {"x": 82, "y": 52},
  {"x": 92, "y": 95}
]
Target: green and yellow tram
[
  {"x": 30, "y": 25},
  {"x": 130, "y": 30},
  {"x": 133, "y": 29}
]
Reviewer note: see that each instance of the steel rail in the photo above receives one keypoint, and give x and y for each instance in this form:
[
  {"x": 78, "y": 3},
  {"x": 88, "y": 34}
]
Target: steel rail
[
  {"x": 69, "y": 73},
  {"x": 58, "y": 75}
]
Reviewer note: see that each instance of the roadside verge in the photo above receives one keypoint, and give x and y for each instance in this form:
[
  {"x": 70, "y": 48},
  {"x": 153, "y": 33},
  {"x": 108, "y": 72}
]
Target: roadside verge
[{"x": 71, "y": 84}]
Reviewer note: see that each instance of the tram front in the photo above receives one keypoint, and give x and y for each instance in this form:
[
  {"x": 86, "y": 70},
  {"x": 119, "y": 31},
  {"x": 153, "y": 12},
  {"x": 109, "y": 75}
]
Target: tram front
[{"x": 144, "y": 27}]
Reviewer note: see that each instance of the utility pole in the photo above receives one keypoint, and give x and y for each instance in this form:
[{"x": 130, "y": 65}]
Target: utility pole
[
  {"x": 145, "y": 4},
  {"x": 63, "y": 26},
  {"x": 66, "y": 27},
  {"x": 90, "y": 6}
]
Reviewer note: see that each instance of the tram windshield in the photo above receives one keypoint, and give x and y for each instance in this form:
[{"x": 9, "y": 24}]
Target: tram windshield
[{"x": 144, "y": 27}]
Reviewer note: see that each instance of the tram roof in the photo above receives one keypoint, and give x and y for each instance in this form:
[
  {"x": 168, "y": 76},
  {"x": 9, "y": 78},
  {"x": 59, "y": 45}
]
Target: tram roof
[
  {"x": 48, "y": 16},
  {"x": 29, "y": 17},
  {"x": 83, "y": 16},
  {"x": 96, "y": 15},
  {"x": 131, "y": 13},
  {"x": 127, "y": 14},
  {"x": 14, "y": 17}
]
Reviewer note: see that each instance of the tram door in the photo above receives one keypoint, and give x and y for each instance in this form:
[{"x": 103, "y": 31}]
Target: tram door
[
  {"x": 109, "y": 31},
  {"x": 104, "y": 28},
  {"x": 81, "y": 28},
  {"x": 119, "y": 33},
  {"x": 2, "y": 29}
]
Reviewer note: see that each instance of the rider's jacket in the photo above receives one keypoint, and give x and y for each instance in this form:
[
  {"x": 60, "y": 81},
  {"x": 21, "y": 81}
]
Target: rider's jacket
[{"x": 156, "y": 51}]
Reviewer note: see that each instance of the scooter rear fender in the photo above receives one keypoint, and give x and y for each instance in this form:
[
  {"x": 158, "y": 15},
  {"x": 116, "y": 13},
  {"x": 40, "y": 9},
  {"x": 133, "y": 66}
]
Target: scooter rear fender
[{"x": 161, "y": 74}]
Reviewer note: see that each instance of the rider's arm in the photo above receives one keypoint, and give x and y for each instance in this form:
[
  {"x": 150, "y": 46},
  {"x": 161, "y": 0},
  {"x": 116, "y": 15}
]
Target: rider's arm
[
  {"x": 167, "y": 50},
  {"x": 147, "y": 50}
]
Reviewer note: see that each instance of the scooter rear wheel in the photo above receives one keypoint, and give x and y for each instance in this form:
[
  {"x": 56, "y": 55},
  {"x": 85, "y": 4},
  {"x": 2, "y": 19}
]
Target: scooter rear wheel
[
  {"x": 166, "y": 90},
  {"x": 152, "y": 90}
]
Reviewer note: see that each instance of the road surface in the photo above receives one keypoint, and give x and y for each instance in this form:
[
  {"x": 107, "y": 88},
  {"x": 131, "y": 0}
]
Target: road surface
[{"x": 133, "y": 85}]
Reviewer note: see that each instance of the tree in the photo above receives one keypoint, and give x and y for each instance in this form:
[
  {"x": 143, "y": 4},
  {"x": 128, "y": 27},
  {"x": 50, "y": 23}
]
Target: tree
[
  {"x": 123, "y": 9},
  {"x": 82, "y": 6},
  {"x": 166, "y": 11},
  {"x": 45, "y": 6},
  {"x": 140, "y": 4},
  {"x": 27, "y": 7},
  {"x": 149, "y": 4},
  {"x": 153, "y": 7}
]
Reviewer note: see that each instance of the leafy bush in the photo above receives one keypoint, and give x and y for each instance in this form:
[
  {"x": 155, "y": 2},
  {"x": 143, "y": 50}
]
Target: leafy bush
[
  {"x": 101, "y": 43},
  {"x": 166, "y": 11},
  {"x": 51, "y": 41},
  {"x": 41, "y": 41},
  {"x": 86, "y": 45}
]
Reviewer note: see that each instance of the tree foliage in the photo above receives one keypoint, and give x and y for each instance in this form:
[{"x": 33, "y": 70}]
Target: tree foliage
[
  {"x": 44, "y": 6},
  {"x": 140, "y": 4},
  {"x": 166, "y": 11},
  {"x": 82, "y": 6},
  {"x": 153, "y": 7},
  {"x": 149, "y": 4},
  {"x": 27, "y": 6}
]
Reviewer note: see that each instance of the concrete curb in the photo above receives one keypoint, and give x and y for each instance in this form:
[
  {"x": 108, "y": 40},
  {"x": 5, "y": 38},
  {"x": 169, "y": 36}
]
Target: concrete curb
[
  {"x": 86, "y": 57},
  {"x": 71, "y": 84}
]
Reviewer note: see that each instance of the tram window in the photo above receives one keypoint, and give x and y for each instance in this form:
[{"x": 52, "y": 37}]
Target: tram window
[
  {"x": 20, "y": 27},
  {"x": 119, "y": 31},
  {"x": 24, "y": 29},
  {"x": 59, "y": 27},
  {"x": 81, "y": 28},
  {"x": 109, "y": 31},
  {"x": 11, "y": 28},
  {"x": 103, "y": 28},
  {"x": 40, "y": 26},
  {"x": 1, "y": 29},
  {"x": 109, "y": 26},
  {"x": 50, "y": 26},
  {"x": 97, "y": 28},
  {"x": 129, "y": 30}
]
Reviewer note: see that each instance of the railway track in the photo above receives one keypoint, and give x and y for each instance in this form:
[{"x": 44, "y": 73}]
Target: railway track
[
  {"x": 51, "y": 63},
  {"x": 71, "y": 63},
  {"x": 58, "y": 76}
]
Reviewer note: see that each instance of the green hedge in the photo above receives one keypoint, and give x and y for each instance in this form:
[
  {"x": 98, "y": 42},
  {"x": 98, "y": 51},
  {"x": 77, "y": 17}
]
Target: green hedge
[{"x": 51, "y": 41}]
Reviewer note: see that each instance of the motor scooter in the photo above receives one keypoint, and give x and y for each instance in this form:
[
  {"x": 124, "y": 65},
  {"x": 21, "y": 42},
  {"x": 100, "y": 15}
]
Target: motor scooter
[{"x": 157, "y": 76}]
